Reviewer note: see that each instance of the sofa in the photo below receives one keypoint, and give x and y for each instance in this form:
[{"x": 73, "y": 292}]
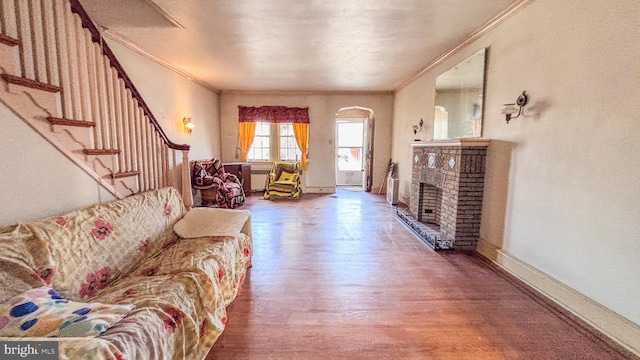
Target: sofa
[{"x": 137, "y": 278}]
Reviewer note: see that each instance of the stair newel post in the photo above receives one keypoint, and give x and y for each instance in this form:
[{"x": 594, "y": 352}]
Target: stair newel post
[{"x": 187, "y": 197}]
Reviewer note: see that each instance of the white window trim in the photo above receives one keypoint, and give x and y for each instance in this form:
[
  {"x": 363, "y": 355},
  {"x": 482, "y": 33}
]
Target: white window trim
[{"x": 274, "y": 146}]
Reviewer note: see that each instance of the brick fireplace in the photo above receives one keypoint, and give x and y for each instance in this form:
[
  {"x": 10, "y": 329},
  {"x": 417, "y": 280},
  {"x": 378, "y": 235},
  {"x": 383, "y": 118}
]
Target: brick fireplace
[{"x": 447, "y": 186}]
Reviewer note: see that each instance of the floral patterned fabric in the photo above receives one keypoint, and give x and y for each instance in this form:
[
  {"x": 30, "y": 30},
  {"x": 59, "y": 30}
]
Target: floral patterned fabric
[
  {"x": 221, "y": 258},
  {"x": 25, "y": 261},
  {"x": 94, "y": 246},
  {"x": 216, "y": 186},
  {"x": 43, "y": 312},
  {"x": 126, "y": 253}
]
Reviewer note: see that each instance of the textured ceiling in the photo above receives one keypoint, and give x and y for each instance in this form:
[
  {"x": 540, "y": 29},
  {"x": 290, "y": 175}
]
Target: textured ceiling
[{"x": 296, "y": 45}]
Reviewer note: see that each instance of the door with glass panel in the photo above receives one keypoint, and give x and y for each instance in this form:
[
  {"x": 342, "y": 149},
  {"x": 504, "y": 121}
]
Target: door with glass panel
[{"x": 349, "y": 154}]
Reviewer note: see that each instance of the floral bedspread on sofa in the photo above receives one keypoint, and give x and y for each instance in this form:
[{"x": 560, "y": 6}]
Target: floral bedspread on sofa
[{"x": 114, "y": 281}]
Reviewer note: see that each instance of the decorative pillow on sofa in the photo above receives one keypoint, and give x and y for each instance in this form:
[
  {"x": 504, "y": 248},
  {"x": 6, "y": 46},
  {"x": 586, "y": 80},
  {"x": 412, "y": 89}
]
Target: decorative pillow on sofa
[
  {"x": 203, "y": 222},
  {"x": 42, "y": 312},
  {"x": 286, "y": 176}
]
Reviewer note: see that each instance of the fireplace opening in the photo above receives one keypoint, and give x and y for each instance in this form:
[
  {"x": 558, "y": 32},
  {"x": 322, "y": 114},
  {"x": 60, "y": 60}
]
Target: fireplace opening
[{"x": 429, "y": 205}]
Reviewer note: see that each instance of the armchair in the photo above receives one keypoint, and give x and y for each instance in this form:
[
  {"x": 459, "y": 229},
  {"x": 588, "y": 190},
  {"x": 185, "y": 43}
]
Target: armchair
[
  {"x": 283, "y": 182},
  {"x": 216, "y": 186}
]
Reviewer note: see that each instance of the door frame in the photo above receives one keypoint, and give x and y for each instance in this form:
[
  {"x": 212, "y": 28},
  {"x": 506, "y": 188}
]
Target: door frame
[{"x": 368, "y": 115}]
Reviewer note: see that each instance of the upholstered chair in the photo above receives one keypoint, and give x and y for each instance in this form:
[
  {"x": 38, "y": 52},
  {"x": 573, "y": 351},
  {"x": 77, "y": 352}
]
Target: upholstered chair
[
  {"x": 283, "y": 182},
  {"x": 217, "y": 187}
]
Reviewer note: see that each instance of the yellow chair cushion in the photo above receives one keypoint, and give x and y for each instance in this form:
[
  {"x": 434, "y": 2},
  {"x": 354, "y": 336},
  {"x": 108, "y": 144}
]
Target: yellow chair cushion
[{"x": 286, "y": 176}]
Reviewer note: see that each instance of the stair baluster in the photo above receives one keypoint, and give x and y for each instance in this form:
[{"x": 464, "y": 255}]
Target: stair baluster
[{"x": 59, "y": 50}]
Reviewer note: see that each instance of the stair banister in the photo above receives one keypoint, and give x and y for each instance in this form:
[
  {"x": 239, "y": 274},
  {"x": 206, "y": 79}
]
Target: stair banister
[{"x": 96, "y": 37}]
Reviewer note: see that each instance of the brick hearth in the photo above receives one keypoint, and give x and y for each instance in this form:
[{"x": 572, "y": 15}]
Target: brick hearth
[{"x": 447, "y": 186}]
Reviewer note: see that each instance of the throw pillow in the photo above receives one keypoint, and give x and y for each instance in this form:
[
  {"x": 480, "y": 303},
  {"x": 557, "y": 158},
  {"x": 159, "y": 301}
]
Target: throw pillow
[
  {"x": 43, "y": 312},
  {"x": 286, "y": 176},
  {"x": 202, "y": 222}
]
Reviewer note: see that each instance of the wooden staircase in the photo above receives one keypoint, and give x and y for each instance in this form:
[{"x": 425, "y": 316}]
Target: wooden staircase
[{"x": 62, "y": 79}]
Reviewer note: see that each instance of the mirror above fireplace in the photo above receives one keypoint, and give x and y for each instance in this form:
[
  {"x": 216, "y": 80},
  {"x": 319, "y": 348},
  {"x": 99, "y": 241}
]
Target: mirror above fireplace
[{"x": 460, "y": 99}]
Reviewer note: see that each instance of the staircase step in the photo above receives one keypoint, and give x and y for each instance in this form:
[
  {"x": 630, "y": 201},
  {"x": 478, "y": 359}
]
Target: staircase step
[
  {"x": 124, "y": 174},
  {"x": 8, "y": 40},
  {"x": 17, "y": 80},
  {"x": 69, "y": 122},
  {"x": 101, "y": 151}
]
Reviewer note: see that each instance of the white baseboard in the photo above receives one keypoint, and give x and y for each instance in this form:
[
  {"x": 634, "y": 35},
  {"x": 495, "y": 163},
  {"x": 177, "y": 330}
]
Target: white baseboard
[{"x": 616, "y": 327}]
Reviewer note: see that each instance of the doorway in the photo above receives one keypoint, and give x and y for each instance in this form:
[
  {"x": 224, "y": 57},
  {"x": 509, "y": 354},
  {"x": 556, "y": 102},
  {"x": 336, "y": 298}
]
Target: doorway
[
  {"x": 354, "y": 148},
  {"x": 350, "y": 150}
]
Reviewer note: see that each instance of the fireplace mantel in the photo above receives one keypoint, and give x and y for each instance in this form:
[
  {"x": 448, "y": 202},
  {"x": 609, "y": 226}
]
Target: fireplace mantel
[{"x": 466, "y": 142}]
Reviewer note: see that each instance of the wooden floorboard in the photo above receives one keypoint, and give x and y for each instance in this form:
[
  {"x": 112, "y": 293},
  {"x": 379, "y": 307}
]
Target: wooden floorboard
[{"x": 338, "y": 277}]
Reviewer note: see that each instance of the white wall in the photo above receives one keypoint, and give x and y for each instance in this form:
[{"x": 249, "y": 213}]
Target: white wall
[
  {"x": 322, "y": 118},
  {"x": 562, "y": 190},
  {"x": 37, "y": 181}
]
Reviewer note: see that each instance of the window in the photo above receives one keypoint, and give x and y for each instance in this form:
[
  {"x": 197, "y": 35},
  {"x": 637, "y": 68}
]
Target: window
[
  {"x": 260, "y": 148},
  {"x": 350, "y": 142},
  {"x": 288, "y": 146},
  {"x": 281, "y": 146}
]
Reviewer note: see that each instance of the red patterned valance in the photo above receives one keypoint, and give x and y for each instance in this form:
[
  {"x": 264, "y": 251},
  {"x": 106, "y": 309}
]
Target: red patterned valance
[{"x": 273, "y": 114}]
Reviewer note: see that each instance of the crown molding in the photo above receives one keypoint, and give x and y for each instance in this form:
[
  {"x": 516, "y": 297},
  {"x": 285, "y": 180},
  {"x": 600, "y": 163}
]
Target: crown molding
[
  {"x": 306, "y": 92},
  {"x": 137, "y": 48},
  {"x": 488, "y": 26},
  {"x": 309, "y": 92}
]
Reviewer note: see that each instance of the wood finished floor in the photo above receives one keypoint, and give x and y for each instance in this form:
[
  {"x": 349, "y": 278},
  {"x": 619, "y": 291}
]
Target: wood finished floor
[{"x": 337, "y": 277}]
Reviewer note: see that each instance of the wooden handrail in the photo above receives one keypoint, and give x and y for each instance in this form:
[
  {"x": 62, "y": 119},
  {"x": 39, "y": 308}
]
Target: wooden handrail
[{"x": 96, "y": 37}]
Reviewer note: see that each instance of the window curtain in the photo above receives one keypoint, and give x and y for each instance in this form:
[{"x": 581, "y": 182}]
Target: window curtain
[
  {"x": 301, "y": 133},
  {"x": 247, "y": 132},
  {"x": 273, "y": 114},
  {"x": 248, "y": 116}
]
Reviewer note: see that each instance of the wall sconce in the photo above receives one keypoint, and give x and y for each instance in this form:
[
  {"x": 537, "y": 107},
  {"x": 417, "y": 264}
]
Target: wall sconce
[
  {"x": 417, "y": 128},
  {"x": 510, "y": 109},
  {"x": 188, "y": 125}
]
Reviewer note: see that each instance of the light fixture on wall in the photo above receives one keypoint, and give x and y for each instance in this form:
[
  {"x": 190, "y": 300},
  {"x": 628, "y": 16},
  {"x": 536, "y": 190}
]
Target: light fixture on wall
[
  {"x": 510, "y": 109},
  {"x": 188, "y": 125},
  {"x": 417, "y": 128}
]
